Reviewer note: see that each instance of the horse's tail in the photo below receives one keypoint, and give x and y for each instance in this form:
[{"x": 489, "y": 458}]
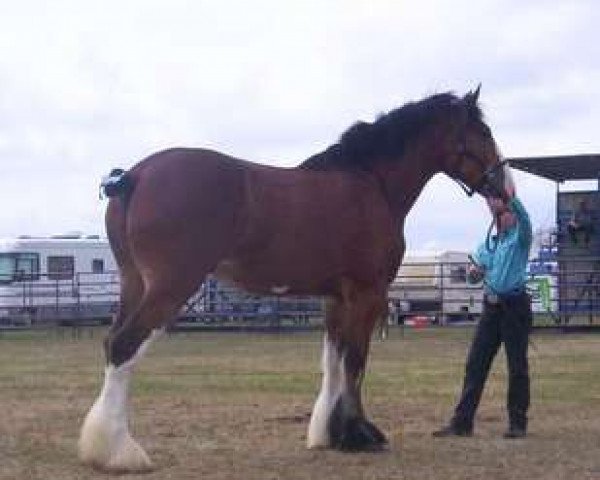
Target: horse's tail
[
  {"x": 118, "y": 186},
  {"x": 117, "y": 182}
]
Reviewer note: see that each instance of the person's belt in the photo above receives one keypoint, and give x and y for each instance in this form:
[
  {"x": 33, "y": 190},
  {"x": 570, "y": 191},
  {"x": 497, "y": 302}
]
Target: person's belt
[{"x": 495, "y": 298}]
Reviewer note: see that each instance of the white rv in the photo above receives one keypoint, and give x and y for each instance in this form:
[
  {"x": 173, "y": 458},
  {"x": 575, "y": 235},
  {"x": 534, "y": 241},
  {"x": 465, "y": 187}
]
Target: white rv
[
  {"x": 75, "y": 278},
  {"x": 56, "y": 279},
  {"x": 434, "y": 284}
]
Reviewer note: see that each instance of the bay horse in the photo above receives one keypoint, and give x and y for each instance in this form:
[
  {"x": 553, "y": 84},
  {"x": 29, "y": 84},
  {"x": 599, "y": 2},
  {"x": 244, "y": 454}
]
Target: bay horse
[{"x": 332, "y": 226}]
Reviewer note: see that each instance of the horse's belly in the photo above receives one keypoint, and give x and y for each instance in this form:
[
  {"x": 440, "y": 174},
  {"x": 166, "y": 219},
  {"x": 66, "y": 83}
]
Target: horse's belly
[
  {"x": 300, "y": 269},
  {"x": 304, "y": 244},
  {"x": 268, "y": 276}
]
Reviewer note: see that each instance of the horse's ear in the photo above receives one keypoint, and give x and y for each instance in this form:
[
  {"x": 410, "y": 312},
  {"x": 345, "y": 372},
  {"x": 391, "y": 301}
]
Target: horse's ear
[
  {"x": 471, "y": 98},
  {"x": 476, "y": 93}
]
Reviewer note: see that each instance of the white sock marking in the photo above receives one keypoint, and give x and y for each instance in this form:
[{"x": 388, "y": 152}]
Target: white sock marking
[
  {"x": 105, "y": 440},
  {"x": 332, "y": 387}
]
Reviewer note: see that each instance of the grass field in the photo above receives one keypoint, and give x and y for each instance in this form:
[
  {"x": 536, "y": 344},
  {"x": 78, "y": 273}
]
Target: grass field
[{"x": 236, "y": 406}]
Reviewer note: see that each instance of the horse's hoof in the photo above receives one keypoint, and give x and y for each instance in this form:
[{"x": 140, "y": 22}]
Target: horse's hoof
[
  {"x": 109, "y": 449},
  {"x": 360, "y": 435},
  {"x": 129, "y": 458}
]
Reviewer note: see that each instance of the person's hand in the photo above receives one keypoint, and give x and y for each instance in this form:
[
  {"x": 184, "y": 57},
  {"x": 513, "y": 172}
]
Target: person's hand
[{"x": 497, "y": 205}]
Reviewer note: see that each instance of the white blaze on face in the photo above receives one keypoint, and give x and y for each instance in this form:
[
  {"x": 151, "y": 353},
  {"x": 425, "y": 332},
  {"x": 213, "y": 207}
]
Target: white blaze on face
[
  {"x": 509, "y": 182},
  {"x": 333, "y": 384},
  {"x": 105, "y": 440}
]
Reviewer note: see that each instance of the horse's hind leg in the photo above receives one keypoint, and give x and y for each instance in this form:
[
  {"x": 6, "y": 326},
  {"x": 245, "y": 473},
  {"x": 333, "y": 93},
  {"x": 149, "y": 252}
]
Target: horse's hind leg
[
  {"x": 132, "y": 291},
  {"x": 105, "y": 441},
  {"x": 130, "y": 279},
  {"x": 338, "y": 418}
]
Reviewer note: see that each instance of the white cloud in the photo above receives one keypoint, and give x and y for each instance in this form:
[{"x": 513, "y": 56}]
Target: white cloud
[{"x": 88, "y": 86}]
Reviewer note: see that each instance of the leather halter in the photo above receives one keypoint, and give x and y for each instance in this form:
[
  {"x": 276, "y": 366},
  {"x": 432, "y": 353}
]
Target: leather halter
[{"x": 487, "y": 180}]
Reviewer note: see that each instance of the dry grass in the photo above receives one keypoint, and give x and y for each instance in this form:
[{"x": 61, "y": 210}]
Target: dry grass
[{"x": 220, "y": 406}]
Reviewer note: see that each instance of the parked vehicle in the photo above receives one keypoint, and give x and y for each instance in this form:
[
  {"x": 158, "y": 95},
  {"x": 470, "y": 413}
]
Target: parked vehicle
[
  {"x": 434, "y": 284},
  {"x": 73, "y": 279},
  {"x": 57, "y": 279}
]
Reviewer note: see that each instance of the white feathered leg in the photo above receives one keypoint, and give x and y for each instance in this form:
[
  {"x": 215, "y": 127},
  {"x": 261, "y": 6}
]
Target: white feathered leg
[
  {"x": 105, "y": 441},
  {"x": 332, "y": 387}
]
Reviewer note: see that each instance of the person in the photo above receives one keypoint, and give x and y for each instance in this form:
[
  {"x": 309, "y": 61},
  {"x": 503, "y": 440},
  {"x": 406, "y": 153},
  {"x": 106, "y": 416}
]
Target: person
[
  {"x": 581, "y": 221},
  {"x": 506, "y": 318}
]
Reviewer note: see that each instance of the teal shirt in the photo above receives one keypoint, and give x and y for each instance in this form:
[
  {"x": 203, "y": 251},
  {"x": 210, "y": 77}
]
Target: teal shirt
[{"x": 506, "y": 265}]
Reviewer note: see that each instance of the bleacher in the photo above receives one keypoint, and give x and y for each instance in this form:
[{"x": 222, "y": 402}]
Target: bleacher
[
  {"x": 576, "y": 265},
  {"x": 579, "y": 260}
]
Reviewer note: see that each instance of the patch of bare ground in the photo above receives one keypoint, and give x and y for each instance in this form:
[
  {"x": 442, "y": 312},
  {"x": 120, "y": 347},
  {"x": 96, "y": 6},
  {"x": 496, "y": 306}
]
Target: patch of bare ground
[{"x": 236, "y": 406}]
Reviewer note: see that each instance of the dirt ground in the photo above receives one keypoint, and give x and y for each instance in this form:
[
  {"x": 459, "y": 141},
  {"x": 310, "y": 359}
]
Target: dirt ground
[{"x": 236, "y": 406}]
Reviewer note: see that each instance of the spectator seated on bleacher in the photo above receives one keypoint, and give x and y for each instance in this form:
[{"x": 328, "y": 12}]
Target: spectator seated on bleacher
[{"x": 581, "y": 221}]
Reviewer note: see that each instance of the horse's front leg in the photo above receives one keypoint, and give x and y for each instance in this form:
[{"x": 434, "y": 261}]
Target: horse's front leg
[{"x": 338, "y": 419}]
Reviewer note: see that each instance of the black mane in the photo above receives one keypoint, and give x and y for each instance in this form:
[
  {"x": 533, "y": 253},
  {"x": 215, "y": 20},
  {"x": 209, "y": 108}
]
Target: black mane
[{"x": 387, "y": 137}]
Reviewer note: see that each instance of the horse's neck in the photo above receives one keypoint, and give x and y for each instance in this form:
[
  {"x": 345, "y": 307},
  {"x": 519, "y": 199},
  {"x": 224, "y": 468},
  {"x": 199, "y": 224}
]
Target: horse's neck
[{"x": 404, "y": 182}]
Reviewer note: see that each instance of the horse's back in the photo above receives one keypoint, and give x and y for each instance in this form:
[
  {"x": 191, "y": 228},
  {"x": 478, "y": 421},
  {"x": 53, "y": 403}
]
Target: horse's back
[
  {"x": 200, "y": 207},
  {"x": 186, "y": 179}
]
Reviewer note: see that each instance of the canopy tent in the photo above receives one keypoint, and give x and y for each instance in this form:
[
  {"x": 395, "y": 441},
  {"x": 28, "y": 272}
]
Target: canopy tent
[{"x": 560, "y": 168}]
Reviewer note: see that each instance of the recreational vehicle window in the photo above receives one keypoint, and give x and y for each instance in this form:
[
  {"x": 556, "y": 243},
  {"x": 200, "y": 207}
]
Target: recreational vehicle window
[
  {"x": 7, "y": 267},
  {"x": 458, "y": 274},
  {"x": 61, "y": 267},
  {"x": 19, "y": 266},
  {"x": 97, "y": 265}
]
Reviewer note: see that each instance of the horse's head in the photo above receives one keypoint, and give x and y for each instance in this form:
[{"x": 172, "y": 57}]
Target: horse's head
[
  {"x": 472, "y": 158},
  {"x": 443, "y": 132}
]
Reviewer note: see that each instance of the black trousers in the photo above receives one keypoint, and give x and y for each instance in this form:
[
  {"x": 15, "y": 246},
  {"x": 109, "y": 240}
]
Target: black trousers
[{"x": 508, "y": 322}]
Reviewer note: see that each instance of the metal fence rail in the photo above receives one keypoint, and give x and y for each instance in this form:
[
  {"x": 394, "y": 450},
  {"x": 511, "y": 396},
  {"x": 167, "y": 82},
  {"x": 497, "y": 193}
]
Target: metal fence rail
[
  {"x": 48, "y": 299},
  {"x": 424, "y": 292}
]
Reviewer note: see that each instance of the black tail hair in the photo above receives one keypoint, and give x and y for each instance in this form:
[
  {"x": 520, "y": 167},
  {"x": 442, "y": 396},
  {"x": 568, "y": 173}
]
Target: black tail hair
[{"x": 118, "y": 183}]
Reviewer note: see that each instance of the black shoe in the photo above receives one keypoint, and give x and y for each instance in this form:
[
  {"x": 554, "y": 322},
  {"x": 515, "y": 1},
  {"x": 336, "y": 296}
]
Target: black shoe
[
  {"x": 453, "y": 431},
  {"x": 515, "y": 432}
]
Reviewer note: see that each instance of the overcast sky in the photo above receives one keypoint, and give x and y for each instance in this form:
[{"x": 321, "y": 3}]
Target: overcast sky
[{"x": 86, "y": 86}]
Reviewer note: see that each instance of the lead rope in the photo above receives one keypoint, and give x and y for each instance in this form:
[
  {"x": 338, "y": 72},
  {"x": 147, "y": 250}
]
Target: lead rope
[{"x": 488, "y": 246}]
